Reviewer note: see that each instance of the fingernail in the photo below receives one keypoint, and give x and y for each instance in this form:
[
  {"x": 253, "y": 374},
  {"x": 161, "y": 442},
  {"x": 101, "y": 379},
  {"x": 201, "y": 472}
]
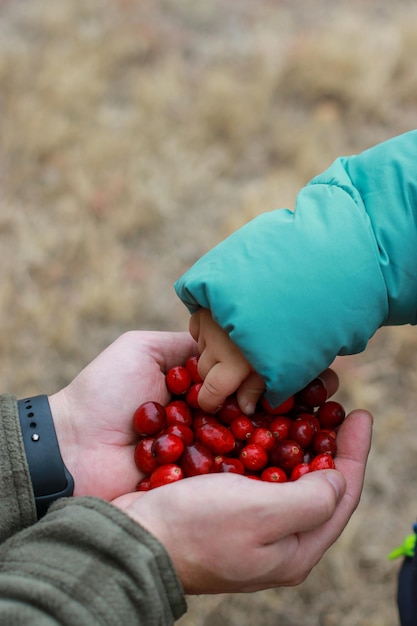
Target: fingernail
[
  {"x": 250, "y": 408},
  {"x": 337, "y": 482}
]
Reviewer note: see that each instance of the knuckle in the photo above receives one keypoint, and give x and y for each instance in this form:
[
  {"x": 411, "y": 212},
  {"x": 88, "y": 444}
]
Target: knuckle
[
  {"x": 328, "y": 502},
  {"x": 211, "y": 387},
  {"x": 299, "y": 577}
]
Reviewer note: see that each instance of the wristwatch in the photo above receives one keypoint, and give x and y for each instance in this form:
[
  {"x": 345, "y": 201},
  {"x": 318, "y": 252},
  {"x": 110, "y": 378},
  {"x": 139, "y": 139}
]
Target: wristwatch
[{"x": 50, "y": 478}]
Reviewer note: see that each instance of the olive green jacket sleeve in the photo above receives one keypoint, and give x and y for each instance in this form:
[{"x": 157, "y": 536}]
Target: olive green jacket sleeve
[
  {"x": 17, "y": 503},
  {"x": 85, "y": 563}
]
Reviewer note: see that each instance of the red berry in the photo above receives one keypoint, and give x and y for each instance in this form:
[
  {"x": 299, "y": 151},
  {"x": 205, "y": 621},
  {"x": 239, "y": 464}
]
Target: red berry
[
  {"x": 260, "y": 420},
  {"x": 191, "y": 364},
  {"x": 167, "y": 448},
  {"x": 322, "y": 461},
  {"x": 253, "y": 457},
  {"x": 196, "y": 459},
  {"x": 217, "y": 461},
  {"x": 178, "y": 380},
  {"x": 149, "y": 418},
  {"x": 274, "y": 475},
  {"x": 229, "y": 410},
  {"x": 239, "y": 445},
  {"x": 299, "y": 470},
  {"x": 204, "y": 418},
  {"x": 324, "y": 441},
  {"x": 263, "y": 437},
  {"x": 178, "y": 412},
  {"x": 313, "y": 394},
  {"x": 299, "y": 407},
  {"x": 191, "y": 396},
  {"x": 312, "y": 419},
  {"x": 230, "y": 465},
  {"x": 144, "y": 484},
  {"x": 144, "y": 459},
  {"x": 302, "y": 432},
  {"x": 182, "y": 431},
  {"x": 331, "y": 414},
  {"x": 165, "y": 474},
  {"x": 242, "y": 427},
  {"x": 281, "y": 409},
  {"x": 216, "y": 438},
  {"x": 280, "y": 426},
  {"x": 286, "y": 454}
]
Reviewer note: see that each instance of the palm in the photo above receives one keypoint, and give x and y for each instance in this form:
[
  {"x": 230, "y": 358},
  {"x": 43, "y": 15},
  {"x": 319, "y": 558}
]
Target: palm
[{"x": 96, "y": 423}]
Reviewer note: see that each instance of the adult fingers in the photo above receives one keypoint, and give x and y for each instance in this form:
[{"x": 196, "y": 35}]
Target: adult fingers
[
  {"x": 175, "y": 347},
  {"x": 354, "y": 440},
  {"x": 305, "y": 504},
  {"x": 302, "y": 550}
]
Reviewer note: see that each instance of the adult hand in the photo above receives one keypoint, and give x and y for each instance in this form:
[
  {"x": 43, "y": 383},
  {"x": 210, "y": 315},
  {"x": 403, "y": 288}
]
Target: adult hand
[
  {"x": 93, "y": 414},
  {"x": 226, "y": 533}
]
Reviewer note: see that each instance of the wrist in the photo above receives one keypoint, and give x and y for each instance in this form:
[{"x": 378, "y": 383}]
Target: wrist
[
  {"x": 61, "y": 412},
  {"x": 49, "y": 475}
]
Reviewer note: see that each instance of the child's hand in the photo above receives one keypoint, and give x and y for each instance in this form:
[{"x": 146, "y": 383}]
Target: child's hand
[{"x": 223, "y": 367}]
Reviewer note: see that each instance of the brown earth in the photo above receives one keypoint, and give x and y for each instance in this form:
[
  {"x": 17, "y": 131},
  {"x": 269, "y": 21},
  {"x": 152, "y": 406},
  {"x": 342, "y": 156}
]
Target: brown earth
[{"x": 136, "y": 135}]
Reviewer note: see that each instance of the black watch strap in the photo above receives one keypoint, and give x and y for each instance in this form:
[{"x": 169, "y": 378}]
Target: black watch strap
[{"x": 50, "y": 478}]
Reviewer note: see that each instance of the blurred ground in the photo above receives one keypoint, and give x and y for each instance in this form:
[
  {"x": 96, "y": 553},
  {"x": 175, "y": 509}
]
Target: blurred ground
[{"x": 134, "y": 135}]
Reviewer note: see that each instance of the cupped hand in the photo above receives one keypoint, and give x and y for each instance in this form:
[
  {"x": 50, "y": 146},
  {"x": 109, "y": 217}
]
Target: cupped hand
[
  {"x": 93, "y": 414},
  {"x": 227, "y": 533}
]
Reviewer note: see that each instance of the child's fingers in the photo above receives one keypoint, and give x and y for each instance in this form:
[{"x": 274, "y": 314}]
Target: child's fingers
[
  {"x": 331, "y": 381},
  {"x": 221, "y": 381},
  {"x": 249, "y": 393},
  {"x": 194, "y": 327},
  {"x": 207, "y": 360}
]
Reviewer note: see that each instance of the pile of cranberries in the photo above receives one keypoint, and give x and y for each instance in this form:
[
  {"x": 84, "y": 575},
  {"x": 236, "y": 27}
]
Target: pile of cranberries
[{"x": 180, "y": 440}]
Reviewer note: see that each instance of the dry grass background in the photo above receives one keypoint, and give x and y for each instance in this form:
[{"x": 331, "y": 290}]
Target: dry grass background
[{"x": 134, "y": 135}]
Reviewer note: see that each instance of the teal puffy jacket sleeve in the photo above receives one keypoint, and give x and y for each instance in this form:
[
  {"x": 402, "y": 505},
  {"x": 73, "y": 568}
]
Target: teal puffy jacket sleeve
[{"x": 294, "y": 289}]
